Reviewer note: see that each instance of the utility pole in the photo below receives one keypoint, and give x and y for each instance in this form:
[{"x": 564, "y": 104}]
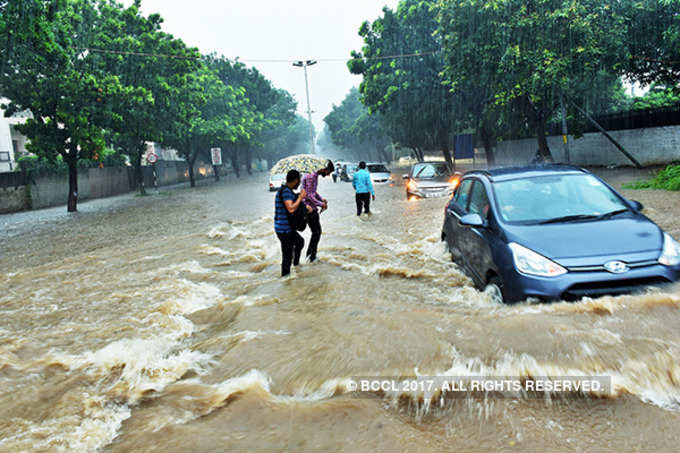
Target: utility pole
[{"x": 304, "y": 64}]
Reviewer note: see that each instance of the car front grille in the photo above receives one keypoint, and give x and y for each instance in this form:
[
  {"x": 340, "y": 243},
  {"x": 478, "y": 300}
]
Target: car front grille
[
  {"x": 610, "y": 287},
  {"x": 633, "y": 265}
]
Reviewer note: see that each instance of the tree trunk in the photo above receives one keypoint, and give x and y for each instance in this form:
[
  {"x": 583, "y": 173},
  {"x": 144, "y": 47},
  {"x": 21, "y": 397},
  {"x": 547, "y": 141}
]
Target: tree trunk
[
  {"x": 192, "y": 178},
  {"x": 488, "y": 147},
  {"x": 249, "y": 160},
  {"x": 72, "y": 204},
  {"x": 447, "y": 155},
  {"x": 382, "y": 155},
  {"x": 216, "y": 172},
  {"x": 139, "y": 175},
  {"x": 543, "y": 148},
  {"x": 419, "y": 154},
  {"x": 234, "y": 161}
]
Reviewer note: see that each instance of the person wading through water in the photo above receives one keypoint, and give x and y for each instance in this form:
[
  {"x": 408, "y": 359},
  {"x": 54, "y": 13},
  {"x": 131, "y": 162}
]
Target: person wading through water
[
  {"x": 314, "y": 201},
  {"x": 286, "y": 203},
  {"x": 364, "y": 187}
]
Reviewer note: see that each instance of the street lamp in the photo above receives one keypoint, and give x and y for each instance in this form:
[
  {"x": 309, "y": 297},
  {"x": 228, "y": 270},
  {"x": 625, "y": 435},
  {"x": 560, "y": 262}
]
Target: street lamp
[{"x": 304, "y": 64}]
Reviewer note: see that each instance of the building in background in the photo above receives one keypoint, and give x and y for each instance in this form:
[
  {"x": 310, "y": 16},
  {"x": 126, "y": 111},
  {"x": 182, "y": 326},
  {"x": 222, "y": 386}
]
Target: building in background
[{"x": 12, "y": 143}]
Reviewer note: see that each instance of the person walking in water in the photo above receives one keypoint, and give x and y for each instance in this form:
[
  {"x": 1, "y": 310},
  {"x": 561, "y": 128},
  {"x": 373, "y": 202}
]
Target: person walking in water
[
  {"x": 314, "y": 201},
  {"x": 364, "y": 189},
  {"x": 287, "y": 202}
]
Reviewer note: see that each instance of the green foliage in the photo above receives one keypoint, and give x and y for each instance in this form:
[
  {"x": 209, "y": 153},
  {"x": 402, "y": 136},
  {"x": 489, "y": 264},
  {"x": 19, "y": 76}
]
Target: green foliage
[
  {"x": 652, "y": 41},
  {"x": 666, "y": 179},
  {"x": 150, "y": 81},
  {"x": 658, "y": 96},
  {"x": 48, "y": 72},
  {"x": 95, "y": 73},
  {"x": 38, "y": 166},
  {"x": 416, "y": 108},
  {"x": 354, "y": 128},
  {"x": 530, "y": 55}
]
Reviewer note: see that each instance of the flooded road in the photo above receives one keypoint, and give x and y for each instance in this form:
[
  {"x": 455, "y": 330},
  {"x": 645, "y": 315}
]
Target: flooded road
[{"x": 161, "y": 324}]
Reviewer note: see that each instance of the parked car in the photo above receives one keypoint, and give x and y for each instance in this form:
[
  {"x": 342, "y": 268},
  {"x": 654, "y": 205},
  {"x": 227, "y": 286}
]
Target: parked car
[
  {"x": 554, "y": 232},
  {"x": 379, "y": 173},
  {"x": 430, "y": 179},
  {"x": 275, "y": 182}
]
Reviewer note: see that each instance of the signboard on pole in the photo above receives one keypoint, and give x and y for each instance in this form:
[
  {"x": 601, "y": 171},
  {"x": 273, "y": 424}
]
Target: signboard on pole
[
  {"x": 152, "y": 158},
  {"x": 216, "y": 154}
]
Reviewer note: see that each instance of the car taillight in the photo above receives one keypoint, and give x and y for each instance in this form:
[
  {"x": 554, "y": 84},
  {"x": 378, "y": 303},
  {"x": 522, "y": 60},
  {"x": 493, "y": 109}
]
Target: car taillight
[{"x": 412, "y": 185}]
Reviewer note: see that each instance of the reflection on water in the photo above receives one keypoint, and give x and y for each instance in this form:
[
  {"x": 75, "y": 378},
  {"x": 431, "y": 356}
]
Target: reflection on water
[{"x": 161, "y": 324}]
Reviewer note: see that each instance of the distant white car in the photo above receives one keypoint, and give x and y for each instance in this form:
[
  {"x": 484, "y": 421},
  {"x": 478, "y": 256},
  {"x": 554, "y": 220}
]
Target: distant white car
[
  {"x": 275, "y": 182},
  {"x": 379, "y": 173}
]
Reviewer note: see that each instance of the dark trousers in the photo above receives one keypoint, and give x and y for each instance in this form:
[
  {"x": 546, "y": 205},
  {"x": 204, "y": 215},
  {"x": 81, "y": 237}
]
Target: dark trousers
[
  {"x": 315, "y": 227},
  {"x": 363, "y": 201},
  {"x": 291, "y": 249}
]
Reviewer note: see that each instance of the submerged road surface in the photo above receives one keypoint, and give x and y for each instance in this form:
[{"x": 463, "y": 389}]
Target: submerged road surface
[{"x": 161, "y": 324}]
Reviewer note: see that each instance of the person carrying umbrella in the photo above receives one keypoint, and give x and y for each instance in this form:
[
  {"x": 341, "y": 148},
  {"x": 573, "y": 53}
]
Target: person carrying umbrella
[{"x": 314, "y": 201}]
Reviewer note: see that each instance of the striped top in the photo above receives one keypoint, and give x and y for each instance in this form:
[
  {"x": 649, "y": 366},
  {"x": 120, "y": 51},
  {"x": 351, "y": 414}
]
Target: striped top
[{"x": 281, "y": 224}]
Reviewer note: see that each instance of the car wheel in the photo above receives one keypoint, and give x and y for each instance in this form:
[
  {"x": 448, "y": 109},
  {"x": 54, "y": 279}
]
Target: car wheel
[{"x": 495, "y": 290}]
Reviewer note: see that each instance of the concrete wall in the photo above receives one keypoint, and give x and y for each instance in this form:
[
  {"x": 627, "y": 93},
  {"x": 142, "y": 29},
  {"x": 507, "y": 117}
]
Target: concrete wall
[
  {"x": 13, "y": 199},
  {"x": 651, "y": 146},
  {"x": 47, "y": 191}
]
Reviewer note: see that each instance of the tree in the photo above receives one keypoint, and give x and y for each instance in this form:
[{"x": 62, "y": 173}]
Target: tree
[
  {"x": 416, "y": 107},
  {"x": 652, "y": 40},
  {"x": 271, "y": 107},
  {"x": 352, "y": 127},
  {"x": 532, "y": 55},
  {"x": 47, "y": 72},
  {"x": 207, "y": 112},
  {"x": 151, "y": 65}
]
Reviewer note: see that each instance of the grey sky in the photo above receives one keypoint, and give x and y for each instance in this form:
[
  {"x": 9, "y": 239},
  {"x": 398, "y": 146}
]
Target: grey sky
[{"x": 269, "y": 29}]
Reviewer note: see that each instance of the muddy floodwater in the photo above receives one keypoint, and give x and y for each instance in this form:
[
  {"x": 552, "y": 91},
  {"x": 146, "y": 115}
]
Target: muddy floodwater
[{"x": 161, "y": 324}]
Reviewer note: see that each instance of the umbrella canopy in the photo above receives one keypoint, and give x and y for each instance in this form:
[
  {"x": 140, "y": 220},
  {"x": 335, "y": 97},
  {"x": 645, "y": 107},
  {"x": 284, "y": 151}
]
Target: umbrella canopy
[{"x": 304, "y": 163}]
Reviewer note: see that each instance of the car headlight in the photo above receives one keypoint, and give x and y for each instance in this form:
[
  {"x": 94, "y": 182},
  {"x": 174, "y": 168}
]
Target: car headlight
[
  {"x": 531, "y": 263},
  {"x": 412, "y": 185},
  {"x": 670, "y": 254}
]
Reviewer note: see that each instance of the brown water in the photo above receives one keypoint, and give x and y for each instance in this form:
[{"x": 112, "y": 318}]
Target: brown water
[{"x": 161, "y": 324}]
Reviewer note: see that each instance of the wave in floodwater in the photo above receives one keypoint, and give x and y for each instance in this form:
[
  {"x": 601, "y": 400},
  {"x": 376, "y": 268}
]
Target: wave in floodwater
[{"x": 122, "y": 346}]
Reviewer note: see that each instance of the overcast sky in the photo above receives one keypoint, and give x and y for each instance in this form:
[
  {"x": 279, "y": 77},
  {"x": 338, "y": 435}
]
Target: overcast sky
[{"x": 278, "y": 29}]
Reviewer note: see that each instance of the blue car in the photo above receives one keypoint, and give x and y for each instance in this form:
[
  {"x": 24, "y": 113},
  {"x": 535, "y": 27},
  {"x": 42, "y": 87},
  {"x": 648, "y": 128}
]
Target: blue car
[{"x": 554, "y": 232}]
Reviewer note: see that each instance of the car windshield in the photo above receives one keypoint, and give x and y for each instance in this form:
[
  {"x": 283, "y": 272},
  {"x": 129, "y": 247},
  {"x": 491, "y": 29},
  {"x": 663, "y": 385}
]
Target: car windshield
[
  {"x": 377, "y": 168},
  {"x": 430, "y": 170},
  {"x": 554, "y": 198}
]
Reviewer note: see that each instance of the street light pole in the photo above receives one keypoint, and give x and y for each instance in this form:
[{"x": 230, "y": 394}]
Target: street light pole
[{"x": 304, "y": 64}]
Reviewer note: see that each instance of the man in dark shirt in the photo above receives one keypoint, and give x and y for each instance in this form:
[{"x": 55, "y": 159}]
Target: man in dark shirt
[{"x": 287, "y": 202}]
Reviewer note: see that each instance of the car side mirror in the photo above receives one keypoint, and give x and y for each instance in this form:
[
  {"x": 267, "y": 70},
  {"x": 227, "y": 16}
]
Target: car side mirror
[
  {"x": 636, "y": 205},
  {"x": 404, "y": 176},
  {"x": 471, "y": 220}
]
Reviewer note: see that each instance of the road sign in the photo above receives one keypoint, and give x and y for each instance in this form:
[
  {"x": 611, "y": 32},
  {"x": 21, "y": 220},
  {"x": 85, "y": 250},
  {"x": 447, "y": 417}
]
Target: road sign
[
  {"x": 216, "y": 154},
  {"x": 152, "y": 158}
]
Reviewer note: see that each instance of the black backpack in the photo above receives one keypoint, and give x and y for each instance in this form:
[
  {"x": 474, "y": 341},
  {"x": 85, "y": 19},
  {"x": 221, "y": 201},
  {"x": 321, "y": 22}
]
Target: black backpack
[{"x": 298, "y": 219}]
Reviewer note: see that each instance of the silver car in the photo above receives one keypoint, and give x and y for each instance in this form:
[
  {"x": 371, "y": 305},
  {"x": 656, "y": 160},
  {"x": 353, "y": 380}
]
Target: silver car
[
  {"x": 379, "y": 173},
  {"x": 429, "y": 180}
]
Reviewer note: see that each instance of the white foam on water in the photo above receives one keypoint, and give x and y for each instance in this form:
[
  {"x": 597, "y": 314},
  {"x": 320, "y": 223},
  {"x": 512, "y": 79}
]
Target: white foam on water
[
  {"x": 248, "y": 335},
  {"x": 185, "y": 297},
  {"x": 96, "y": 427},
  {"x": 192, "y": 267}
]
